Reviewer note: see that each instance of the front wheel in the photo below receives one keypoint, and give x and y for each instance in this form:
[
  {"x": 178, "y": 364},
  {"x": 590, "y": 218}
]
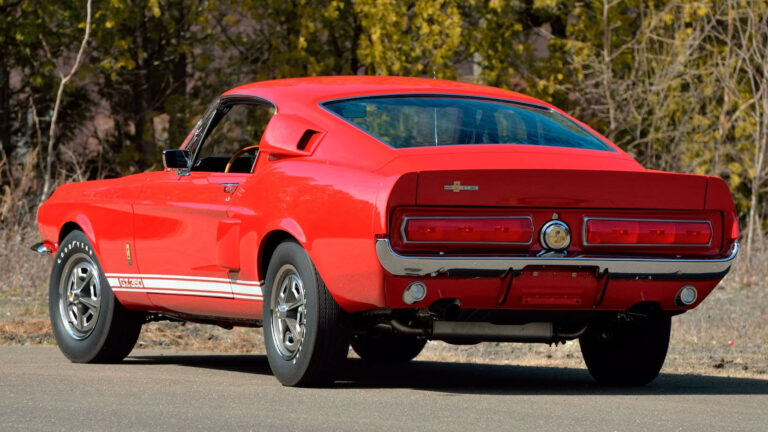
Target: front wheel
[
  {"x": 304, "y": 330},
  {"x": 89, "y": 324},
  {"x": 626, "y": 353}
]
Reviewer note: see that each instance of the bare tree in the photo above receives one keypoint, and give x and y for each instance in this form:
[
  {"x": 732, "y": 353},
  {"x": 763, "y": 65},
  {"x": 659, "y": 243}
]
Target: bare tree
[
  {"x": 57, "y": 105},
  {"x": 748, "y": 45}
]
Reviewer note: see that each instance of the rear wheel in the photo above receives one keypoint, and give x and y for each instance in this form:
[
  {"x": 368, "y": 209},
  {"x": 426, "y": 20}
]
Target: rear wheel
[
  {"x": 89, "y": 324},
  {"x": 626, "y": 353},
  {"x": 387, "y": 348},
  {"x": 303, "y": 325}
]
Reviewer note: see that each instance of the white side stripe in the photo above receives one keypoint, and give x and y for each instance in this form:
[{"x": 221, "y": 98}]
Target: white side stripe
[
  {"x": 180, "y": 292},
  {"x": 181, "y": 277},
  {"x": 185, "y": 285},
  {"x": 237, "y": 289}
]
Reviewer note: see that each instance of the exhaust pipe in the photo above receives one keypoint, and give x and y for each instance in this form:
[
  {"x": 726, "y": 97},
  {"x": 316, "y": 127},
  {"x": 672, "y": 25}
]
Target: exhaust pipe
[
  {"x": 531, "y": 332},
  {"x": 477, "y": 331},
  {"x": 447, "y": 309}
]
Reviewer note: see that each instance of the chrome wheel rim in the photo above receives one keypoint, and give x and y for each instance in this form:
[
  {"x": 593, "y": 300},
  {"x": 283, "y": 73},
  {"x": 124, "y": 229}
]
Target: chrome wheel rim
[
  {"x": 79, "y": 296},
  {"x": 289, "y": 312}
]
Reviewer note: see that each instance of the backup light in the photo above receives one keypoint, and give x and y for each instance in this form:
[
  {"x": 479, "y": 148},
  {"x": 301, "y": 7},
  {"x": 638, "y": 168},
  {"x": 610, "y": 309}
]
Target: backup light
[
  {"x": 414, "y": 292},
  {"x": 647, "y": 232},
  {"x": 687, "y": 295}
]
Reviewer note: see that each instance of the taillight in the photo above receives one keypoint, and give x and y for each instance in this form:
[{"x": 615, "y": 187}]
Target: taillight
[
  {"x": 735, "y": 233},
  {"x": 647, "y": 232},
  {"x": 469, "y": 230}
]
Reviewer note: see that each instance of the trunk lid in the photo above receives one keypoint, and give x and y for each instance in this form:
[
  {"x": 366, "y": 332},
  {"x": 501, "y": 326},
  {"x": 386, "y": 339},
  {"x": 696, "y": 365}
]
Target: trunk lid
[{"x": 561, "y": 188}]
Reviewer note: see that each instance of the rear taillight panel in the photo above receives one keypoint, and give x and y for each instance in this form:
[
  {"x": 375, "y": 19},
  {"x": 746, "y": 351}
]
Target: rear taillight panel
[
  {"x": 515, "y": 231},
  {"x": 509, "y": 230},
  {"x": 647, "y": 232}
]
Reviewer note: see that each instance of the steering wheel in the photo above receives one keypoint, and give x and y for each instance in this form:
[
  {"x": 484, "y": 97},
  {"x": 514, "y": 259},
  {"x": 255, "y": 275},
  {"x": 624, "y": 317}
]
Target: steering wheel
[{"x": 238, "y": 154}]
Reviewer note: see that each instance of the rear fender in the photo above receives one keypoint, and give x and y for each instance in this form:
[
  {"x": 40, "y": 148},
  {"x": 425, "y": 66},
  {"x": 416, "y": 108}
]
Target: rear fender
[{"x": 253, "y": 247}]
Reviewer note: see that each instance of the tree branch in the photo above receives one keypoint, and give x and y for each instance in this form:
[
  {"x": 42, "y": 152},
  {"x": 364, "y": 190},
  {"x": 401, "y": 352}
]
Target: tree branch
[{"x": 57, "y": 105}]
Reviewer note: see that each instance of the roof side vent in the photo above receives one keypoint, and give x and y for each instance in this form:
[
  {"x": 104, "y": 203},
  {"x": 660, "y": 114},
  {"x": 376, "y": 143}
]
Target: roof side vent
[{"x": 308, "y": 137}]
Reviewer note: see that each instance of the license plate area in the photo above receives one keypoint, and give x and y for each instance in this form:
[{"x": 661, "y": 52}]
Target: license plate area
[{"x": 553, "y": 287}]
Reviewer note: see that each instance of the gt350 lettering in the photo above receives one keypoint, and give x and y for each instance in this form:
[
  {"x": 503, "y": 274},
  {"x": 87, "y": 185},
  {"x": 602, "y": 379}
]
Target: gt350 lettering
[{"x": 130, "y": 283}]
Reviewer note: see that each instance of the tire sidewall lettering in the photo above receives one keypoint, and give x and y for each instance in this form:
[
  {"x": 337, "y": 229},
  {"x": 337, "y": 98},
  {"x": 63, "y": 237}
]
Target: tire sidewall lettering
[{"x": 78, "y": 350}]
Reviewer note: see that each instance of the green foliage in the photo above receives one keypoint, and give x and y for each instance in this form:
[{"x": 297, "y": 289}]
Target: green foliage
[
  {"x": 143, "y": 50},
  {"x": 403, "y": 37}
]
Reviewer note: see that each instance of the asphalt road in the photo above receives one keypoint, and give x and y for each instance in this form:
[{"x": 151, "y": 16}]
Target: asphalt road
[{"x": 164, "y": 390}]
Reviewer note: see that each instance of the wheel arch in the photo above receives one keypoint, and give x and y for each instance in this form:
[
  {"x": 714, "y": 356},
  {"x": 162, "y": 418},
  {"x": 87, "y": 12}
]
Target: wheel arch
[
  {"x": 80, "y": 223},
  {"x": 268, "y": 246},
  {"x": 67, "y": 228}
]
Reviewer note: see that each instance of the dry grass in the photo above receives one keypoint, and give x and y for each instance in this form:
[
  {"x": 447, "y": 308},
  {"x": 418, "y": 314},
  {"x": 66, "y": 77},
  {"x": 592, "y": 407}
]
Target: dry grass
[{"x": 736, "y": 311}]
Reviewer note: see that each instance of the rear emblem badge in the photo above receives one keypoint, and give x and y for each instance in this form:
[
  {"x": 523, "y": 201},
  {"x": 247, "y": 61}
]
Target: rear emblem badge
[
  {"x": 555, "y": 235},
  {"x": 458, "y": 187}
]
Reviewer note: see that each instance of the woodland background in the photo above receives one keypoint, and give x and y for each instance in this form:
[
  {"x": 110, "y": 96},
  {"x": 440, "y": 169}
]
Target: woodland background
[{"x": 681, "y": 85}]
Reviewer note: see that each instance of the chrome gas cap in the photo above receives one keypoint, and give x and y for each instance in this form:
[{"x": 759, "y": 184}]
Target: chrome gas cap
[{"x": 555, "y": 235}]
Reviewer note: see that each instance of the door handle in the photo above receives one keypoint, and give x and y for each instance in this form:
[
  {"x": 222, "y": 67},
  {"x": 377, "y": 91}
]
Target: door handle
[{"x": 229, "y": 187}]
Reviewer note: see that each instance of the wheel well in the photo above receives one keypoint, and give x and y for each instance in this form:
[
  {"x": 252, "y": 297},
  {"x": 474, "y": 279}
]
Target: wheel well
[
  {"x": 268, "y": 246},
  {"x": 68, "y": 228}
]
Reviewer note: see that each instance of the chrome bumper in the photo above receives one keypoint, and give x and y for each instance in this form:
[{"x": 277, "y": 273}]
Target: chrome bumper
[{"x": 646, "y": 268}]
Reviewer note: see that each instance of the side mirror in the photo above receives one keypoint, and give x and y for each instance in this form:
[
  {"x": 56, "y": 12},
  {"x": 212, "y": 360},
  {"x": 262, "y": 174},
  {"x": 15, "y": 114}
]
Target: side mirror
[{"x": 176, "y": 159}]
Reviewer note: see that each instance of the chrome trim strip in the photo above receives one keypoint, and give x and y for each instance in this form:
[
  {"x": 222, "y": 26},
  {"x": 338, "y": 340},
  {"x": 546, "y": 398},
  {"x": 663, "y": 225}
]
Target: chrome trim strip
[
  {"x": 659, "y": 268},
  {"x": 588, "y": 218},
  {"x": 432, "y": 94},
  {"x": 407, "y": 218}
]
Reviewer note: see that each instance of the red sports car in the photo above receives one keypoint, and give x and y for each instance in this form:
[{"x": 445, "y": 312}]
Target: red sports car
[{"x": 383, "y": 212}]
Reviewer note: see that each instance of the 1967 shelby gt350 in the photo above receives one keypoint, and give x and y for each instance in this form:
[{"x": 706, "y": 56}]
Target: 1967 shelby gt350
[{"x": 382, "y": 213}]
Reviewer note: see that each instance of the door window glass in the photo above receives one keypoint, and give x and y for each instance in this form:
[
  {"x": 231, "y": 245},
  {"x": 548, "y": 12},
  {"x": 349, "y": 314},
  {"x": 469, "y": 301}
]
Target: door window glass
[{"x": 233, "y": 128}]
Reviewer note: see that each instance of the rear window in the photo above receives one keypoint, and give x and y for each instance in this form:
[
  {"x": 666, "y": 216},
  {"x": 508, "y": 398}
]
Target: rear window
[{"x": 422, "y": 121}]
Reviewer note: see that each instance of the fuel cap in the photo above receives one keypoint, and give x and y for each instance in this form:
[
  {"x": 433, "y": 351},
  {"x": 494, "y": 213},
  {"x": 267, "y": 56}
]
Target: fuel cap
[{"x": 555, "y": 235}]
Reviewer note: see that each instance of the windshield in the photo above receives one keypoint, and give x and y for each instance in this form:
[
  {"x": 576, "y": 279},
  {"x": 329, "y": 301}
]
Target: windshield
[{"x": 421, "y": 121}]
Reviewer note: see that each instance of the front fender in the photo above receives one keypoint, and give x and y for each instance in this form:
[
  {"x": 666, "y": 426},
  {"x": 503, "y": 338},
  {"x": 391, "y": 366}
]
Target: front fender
[{"x": 55, "y": 219}]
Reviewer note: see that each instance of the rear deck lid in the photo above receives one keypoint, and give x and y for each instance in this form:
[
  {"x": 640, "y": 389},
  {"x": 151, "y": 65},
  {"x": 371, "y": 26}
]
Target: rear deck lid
[{"x": 562, "y": 188}]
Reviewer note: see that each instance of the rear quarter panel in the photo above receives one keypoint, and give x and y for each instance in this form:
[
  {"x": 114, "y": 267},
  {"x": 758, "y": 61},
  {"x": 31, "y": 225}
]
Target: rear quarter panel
[
  {"x": 332, "y": 202},
  {"x": 330, "y": 210}
]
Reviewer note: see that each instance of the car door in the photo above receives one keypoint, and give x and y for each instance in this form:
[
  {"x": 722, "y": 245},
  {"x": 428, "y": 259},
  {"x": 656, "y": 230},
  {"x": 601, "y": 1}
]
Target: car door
[{"x": 179, "y": 213}]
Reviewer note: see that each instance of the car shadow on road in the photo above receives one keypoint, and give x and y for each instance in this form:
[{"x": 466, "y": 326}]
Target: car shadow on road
[{"x": 469, "y": 378}]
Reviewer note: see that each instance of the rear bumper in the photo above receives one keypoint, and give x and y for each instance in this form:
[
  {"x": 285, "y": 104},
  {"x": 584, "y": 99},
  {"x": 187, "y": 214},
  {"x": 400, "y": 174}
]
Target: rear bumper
[{"x": 622, "y": 268}]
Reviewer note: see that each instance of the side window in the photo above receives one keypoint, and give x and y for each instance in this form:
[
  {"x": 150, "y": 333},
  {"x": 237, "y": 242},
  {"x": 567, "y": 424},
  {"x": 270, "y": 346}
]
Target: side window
[{"x": 233, "y": 127}]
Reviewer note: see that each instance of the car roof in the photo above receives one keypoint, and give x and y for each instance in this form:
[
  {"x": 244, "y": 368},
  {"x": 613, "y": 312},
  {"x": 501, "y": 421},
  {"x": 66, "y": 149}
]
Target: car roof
[
  {"x": 314, "y": 90},
  {"x": 302, "y": 96}
]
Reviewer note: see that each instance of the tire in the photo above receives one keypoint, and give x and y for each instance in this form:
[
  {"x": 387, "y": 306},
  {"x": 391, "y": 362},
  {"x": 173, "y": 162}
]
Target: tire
[
  {"x": 628, "y": 353},
  {"x": 306, "y": 339},
  {"x": 387, "y": 348},
  {"x": 89, "y": 324}
]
